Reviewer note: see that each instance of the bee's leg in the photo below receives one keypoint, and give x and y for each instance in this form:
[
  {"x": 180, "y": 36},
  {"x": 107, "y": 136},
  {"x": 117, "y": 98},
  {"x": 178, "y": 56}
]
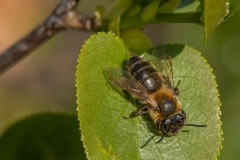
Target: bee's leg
[
  {"x": 161, "y": 139},
  {"x": 159, "y": 123},
  {"x": 176, "y": 90},
  {"x": 141, "y": 111}
]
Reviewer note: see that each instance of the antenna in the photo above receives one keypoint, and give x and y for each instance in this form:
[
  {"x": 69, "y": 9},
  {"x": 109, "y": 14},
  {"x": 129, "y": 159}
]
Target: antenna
[{"x": 195, "y": 125}]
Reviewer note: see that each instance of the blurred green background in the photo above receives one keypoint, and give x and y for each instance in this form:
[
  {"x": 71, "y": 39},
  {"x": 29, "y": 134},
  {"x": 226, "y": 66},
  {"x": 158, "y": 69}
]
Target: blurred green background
[{"x": 45, "y": 80}]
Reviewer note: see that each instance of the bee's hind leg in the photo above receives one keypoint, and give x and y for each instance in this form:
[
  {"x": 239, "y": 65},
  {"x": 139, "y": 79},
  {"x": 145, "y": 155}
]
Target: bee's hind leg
[{"x": 140, "y": 112}]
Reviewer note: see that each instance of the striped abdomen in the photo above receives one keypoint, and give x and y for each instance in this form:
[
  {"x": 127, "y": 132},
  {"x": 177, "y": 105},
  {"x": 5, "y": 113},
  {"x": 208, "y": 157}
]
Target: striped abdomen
[{"x": 144, "y": 73}]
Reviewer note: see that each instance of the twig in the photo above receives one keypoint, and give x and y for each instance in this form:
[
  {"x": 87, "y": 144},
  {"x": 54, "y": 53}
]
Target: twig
[{"x": 64, "y": 17}]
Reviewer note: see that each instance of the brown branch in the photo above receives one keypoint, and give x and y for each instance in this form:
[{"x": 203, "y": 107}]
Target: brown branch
[{"x": 64, "y": 17}]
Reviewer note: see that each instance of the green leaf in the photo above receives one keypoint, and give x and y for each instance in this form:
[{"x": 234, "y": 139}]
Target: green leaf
[
  {"x": 149, "y": 11},
  {"x": 168, "y": 6},
  {"x": 43, "y": 136},
  {"x": 134, "y": 10},
  {"x": 106, "y": 135},
  {"x": 213, "y": 13},
  {"x": 136, "y": 40},
  {"x": 114, "y": 25},
  {"x": 116, "y": 9}
]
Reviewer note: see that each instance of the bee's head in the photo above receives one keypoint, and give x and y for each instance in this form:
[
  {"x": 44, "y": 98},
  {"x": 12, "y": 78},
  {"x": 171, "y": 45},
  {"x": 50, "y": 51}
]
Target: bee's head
[{"x": 172, "y": 125}]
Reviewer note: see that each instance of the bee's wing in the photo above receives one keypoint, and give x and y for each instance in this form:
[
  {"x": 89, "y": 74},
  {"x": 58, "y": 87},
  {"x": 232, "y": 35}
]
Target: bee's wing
[
  {"x": 164, "y": 65},
  {"x": 122, "y": 79}
]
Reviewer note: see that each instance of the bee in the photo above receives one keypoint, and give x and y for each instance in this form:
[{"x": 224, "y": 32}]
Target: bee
[{"x": 155, "y": 89}]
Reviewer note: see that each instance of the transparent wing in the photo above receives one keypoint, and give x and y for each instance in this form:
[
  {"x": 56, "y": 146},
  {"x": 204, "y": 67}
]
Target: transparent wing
[
  {"x": 122, "y": 79},
  {"x": 164, "y": 66}
]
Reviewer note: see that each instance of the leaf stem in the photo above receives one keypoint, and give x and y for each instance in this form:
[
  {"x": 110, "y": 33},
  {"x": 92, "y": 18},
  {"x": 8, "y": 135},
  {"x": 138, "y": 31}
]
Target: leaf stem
[{"x": 191, "y": 17}]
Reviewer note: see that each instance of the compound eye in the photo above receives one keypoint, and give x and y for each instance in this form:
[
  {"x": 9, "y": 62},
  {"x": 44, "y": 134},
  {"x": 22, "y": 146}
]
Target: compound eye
[
  {"x": 179, "y": 118},
  {"x": 166, "y": 125}
]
